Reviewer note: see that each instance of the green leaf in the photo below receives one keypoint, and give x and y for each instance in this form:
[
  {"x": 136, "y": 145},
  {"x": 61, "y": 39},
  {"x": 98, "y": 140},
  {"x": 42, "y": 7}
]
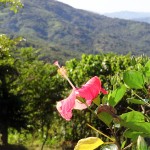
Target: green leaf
[
  {"x": 133, "y": 116},
  {"x": 138, "y": 126},
  {"x": 133, "y": 79},
  {"x": 105, "y": 99},
  {"x": 89, "y": 143},
  {"x": 105, "y": 117},
  {"x": 123, "y": 144},
  {"x": 117, "y": 95},
  {"x": 97, "y": 101},
  {"x": 147, "y": 69},
  {"x": 136, "y": 101},
  {"x": 135, "y": 121},
  {"x": 133, "y": 134},
  {"x": 141, "y": 144}
]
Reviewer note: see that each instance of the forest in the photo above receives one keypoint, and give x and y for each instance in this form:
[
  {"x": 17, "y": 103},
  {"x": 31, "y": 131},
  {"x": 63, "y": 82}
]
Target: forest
[
  {"x": 63, "y": 32},
  {"x": 36, "y": 98}
]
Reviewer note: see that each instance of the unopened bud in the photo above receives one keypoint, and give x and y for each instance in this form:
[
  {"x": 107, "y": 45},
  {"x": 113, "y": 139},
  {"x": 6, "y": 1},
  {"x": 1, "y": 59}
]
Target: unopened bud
[{"x": 57, "y": 64}]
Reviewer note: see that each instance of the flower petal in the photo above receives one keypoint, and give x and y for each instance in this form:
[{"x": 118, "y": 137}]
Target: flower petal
[
  {"x": 104, "y": 91},
  {"x": 65, "y": 106},
  {"x": 79, "y": 105},
  {"x": 91, "y": 89}
]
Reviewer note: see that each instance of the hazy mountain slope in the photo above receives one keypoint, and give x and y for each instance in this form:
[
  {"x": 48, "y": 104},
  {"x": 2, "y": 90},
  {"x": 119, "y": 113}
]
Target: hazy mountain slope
[
  {"x": 137, "y": 16},
  {"x": 142, "y": 19},
  {"x": 61, "y": 30}
]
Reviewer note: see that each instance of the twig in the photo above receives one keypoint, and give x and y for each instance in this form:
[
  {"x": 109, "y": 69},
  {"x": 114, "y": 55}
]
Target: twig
[
  {"x": 101, "y": 132},
  {"x": 128, "y": 146}
]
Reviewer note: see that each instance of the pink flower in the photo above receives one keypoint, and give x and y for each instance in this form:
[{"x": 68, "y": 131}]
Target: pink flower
[
  {"x": 65, "y": 106},
  {"x": 89, "y": 91}
]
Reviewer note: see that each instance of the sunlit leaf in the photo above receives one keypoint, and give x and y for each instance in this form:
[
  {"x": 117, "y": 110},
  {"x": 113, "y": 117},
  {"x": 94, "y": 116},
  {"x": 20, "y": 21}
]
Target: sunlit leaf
[
  {"x": 89, "y": 143},
  {"x": 136, "y": 122},
  {"x": 97, "y": 101},
  {"x": 105, "y": 99},
  {"x": 138, "y": 126},
  {"x": 133, "y": 134},
  {"x": 133, "y": 79},
  {"x": 117, "y": 95},
  {"x": 123, "y": 144},
  {"x": 136, "y": 101},
  {"x": 147, "y": 69},
  {"x": 133, "y": 116}
]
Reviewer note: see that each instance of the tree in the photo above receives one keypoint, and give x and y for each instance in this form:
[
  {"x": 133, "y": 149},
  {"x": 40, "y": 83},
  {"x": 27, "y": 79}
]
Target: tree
[
  {"x": 11, "y": 105},
  {"x": 14, "y": 5},
  {"x": 41, "y": 87},
  {"x": 27, "y": 86}
]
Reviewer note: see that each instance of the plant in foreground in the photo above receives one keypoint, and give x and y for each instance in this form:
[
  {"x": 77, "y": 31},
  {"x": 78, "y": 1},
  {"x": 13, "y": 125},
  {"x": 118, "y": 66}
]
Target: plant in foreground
[
  {"x": 134, "y": 121},
  {"x": 80, "y": 98}
]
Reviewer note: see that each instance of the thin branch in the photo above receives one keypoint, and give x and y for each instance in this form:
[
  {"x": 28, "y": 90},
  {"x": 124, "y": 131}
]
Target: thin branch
[
  {"x": 128, "y": 146},
  {"x": 101, "y": 132}
]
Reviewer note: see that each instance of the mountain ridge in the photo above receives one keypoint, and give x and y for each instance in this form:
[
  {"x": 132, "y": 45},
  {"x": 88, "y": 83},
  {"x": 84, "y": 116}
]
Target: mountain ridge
[{"x": 129, "y": 15}]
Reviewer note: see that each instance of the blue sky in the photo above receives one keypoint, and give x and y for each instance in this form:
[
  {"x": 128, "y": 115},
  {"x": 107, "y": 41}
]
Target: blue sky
[{"x": 103, "y": 6}]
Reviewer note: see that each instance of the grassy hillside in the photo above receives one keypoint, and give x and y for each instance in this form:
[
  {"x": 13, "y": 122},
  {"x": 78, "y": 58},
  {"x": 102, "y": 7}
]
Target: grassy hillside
[{"x": 63, "y": 31}]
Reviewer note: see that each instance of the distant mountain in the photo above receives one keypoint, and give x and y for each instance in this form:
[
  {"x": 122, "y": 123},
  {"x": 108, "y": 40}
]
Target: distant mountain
[
  {"x": 137, "y": 16},
  {"x": 143, "y": 19},
  {"x": 62, "y": 31}
]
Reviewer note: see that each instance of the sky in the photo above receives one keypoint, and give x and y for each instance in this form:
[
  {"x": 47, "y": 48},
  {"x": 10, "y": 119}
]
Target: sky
[{"x": 107, "y": 6}]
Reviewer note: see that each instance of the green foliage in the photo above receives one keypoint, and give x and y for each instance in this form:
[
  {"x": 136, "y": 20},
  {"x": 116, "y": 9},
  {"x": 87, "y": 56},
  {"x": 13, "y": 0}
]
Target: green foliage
[
  {"x": 134, "y": 79},
  {"x": 40, "y": 89},
  {"x": 147, "y": 69},
  {"x": 133, "y": 116},
  {"x": 33, "y": 87},
  {"x": 29, "y": 89},
  {"x": 12, "y": 112},
  {"x": 135, "y": 101},
  {"x": 118, "y": 72},
  {"x": 116, "y": 95},
  {"x": 106, "y": 118},
  {"x": 13, "y": 4}
]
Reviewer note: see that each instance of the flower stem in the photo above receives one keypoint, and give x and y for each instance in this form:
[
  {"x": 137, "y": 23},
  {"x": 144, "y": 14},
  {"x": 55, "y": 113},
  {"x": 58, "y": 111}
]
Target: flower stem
[
  {"x": 141, "y": 98},
  {"x": 100, "y": 132},
  {"x": 69, "y": 81}
]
